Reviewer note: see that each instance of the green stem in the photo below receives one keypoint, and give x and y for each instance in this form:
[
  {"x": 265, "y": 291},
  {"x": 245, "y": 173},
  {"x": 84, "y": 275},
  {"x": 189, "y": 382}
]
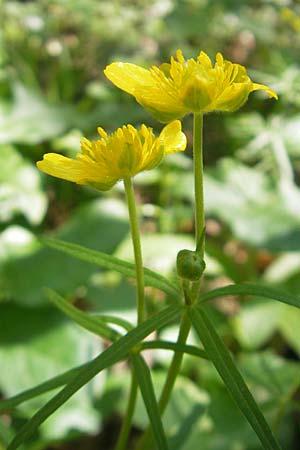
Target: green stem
[
  {"x": 126, "y": 425},
  {"x": 199, "y": 195},
  {"x": 198, "y": 178},
  {"x": 190, "y": 294},
  {"x": 145, "y": 441},
  {"x": 135, "y": 234}
]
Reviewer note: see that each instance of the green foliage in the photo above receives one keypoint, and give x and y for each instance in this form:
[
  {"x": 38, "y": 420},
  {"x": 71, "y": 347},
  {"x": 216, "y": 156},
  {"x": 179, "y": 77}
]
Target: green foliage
[{"x": 58, "y": 236}]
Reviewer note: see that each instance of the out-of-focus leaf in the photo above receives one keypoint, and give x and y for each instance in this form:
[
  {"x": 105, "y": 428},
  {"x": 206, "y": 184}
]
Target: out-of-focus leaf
[
  {"x": 111, "y": 262},
  {"x": 289, "y": 327},
  {"x": 254, "y": 134},
  {"x": 31, "y": 352},
  {"x": 20, "y": 187},
  {"x": 240, "y": 196},
  {"x": 83, "y": 319},
  {"x": 159, "y": 250},
  {"x": 117, "y": 351},
  {"x": 100, "y": 224},
  {"x": 30, "y": 119},
  {"x": 277, "y": 376},
  {"x": 257, "y": 321},
  {"x": 15, "y": 242}
]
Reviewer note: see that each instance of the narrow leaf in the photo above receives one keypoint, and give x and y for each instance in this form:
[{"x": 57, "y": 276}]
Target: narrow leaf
[
  {"x": 84, "y": 320},
  {"x": 143, "y": 376},
  {"x": 223, "y": 362},
  {"x": 49, "y": 385},
  {"x": 116, "y": 352},
  {"x": 252, "y": 289},
  {"x": 110, "y": 262},
  {"x": 114, "y": 320},
  {"x": 175, "y": 347}
]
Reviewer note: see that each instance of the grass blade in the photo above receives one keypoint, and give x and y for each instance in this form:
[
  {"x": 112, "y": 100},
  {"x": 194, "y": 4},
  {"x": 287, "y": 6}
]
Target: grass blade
[
  {"x": 81, "y": 318},
  {"x": 252, "y": 289},
  {"x": 143, "y": 376},
  {"x": 116, "y": 352},
  {"x": 223, "y": 362},
  {"x": 110, "y": 262}
]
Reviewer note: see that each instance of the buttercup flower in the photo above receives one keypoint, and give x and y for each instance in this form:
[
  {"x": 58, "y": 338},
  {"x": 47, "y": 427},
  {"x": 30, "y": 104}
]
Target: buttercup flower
[
  {"x": 114, "y": 157},
  {"x": 173, "y": 90}
]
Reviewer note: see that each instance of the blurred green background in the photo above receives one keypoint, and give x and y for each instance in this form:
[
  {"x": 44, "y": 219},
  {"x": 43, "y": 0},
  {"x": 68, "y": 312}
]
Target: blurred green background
[{"x": 53, "y": 91}]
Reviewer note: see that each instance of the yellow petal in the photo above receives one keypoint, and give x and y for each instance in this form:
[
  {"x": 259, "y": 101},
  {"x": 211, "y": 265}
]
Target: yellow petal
[
  {"x": 172, "y": 139},
  {"x": 128, "y": 77},
  {"x": 262, "y": 87},
  {"x": 61, "y": 167},
  {"x": 205, "y": 60}
]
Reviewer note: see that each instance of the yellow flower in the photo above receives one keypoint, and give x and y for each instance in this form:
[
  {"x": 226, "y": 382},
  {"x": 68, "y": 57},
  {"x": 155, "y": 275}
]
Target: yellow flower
[
  {"x": 173, "y": 90},
  {"x": 114, "y": 157}
]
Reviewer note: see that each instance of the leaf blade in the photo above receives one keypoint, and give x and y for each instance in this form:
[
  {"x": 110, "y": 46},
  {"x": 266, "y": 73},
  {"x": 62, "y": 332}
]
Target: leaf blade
[
  {"x": 143, "y": 376},
  {"x": 223, "y": 362},
  {"x": 174, "y": 346},
  {"x": 49, "y": 385},
  {"x": 117, "y": 351},
  {"x": 252, "y": 289},
  {"x": 110, "y": 262},
  {"x": 84, "y": 320}
]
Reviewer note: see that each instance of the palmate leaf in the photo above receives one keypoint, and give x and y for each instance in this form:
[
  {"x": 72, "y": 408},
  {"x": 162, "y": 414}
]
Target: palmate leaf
[
  {"x": 116, "y": 352},
  {"x": 143, "y": 376},
  {"x": 110, "y": 262},
  {"x": 252, "y": 289},
  {"x": 223, "y": 362}
]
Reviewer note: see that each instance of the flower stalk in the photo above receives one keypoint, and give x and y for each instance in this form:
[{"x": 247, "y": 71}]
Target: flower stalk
[
  {"x": 135, "y": 234},
  {"x": 198, "y": 181}
]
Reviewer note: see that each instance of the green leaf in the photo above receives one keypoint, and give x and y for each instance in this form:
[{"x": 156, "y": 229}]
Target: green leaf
[
  {"x": 84, "y": 320},
  {"x": 248, "y": 193},
  {"x": 232, "y": 378},
  {"x": 289, "y": 328},
  {"x": 104, "y": 225},
  {"x": 251, "y": 328},
  {"x": 114, "y": 320},
  {"x": 20, "y": 187},
  {"x": 174, "y": 346},
  {"x": 252, "y": 289},
  {"x": 155, "y": 245},
  {"x": 111, "y": 262},
  {"x": 30, "y": 119},
  {"x": 40, "y": 343},
  {"x": 143, "y": 376},
  {"x": 110, "y": 356},
  {"x": 49, "y": 385}
]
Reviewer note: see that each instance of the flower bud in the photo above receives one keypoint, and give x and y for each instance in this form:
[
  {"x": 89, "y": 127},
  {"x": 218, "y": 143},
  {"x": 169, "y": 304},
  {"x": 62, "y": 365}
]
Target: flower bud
[{"x": 190, "y": 265}]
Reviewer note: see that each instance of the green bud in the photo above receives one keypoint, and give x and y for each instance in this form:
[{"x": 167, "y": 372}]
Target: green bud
[{"x": 190, "y": 265}]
